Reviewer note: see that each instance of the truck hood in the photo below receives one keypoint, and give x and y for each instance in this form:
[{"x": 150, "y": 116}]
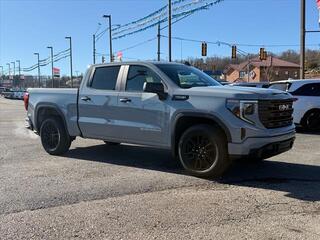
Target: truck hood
[{"x": 235, "y": 92}]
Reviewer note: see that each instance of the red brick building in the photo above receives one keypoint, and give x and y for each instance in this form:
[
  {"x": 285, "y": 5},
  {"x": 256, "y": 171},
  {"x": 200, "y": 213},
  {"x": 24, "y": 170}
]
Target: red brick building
[{"x": 272, "y": 69}]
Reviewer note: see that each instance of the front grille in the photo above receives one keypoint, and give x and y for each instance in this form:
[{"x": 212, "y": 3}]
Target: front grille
[{"x": 276, "y": 113}]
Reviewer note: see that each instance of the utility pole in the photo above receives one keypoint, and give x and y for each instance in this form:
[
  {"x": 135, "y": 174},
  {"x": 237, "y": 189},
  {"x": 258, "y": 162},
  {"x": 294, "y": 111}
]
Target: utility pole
[
  {"x": 169, "y": 28},
  {"x": 52, "y": 76},
  {"x": 302, "y": 37},
  {"x": 38, "y": 68},
  {"x": 70, "y": 45},
  {"x": 159, "y": 41},
  {"x": 110, "y": 36},
  {"x": 94, "y": 48}
]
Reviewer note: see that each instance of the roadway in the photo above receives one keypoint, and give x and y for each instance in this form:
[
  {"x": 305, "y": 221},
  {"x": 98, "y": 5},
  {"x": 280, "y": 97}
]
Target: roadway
[{"x": 129, "y": 192}]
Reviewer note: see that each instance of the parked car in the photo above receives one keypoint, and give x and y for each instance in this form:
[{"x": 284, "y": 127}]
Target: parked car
[
  {"x": 8, "y": 94},
  {"x": 165, "y": 105},
  {"x": 307, "y": 104},
  {"x": 252, "y": 84},
  {"x": 3, "y": 89}
]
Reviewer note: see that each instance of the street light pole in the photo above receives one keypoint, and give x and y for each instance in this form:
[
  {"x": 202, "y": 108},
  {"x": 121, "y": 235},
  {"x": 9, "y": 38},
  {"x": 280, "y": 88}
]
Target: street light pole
[
  {"x": 19, "y": 68},
  {"x": 9, "y": 70},
  {"x": 19, "y": 71},
  {"x": 1, "y": 71},
  {"x": 52, "y": 76},
  {"x": 94, "y": 48},
  {"x": 169, "y": 28},
  {"x": 14, "y": 72},
  {"x": 14, "y": 68},
  {"x": 110, "y": 36},
  {"x": 70, "y": 46},
  {"x": 38, "y": 69},
  {"x": 159, "y": 41},
  {"x": 302, "y": 37}
]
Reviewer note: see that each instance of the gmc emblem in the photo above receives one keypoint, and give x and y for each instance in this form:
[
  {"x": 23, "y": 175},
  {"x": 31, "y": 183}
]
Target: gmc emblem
[{"x": 284, "y": 107}]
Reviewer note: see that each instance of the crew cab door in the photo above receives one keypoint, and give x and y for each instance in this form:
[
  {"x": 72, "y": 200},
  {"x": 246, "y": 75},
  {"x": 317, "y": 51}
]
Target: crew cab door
[
  {"x": 144, "y": 118},
  {"x": 98, "y": 100}
]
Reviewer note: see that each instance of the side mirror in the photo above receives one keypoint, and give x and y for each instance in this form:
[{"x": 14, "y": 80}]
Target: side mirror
[{"x": 157, "y": 88}]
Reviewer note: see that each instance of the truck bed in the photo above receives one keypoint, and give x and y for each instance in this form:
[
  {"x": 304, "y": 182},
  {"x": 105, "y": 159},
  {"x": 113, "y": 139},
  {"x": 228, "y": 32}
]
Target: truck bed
[{"x": 63, "y": 99}]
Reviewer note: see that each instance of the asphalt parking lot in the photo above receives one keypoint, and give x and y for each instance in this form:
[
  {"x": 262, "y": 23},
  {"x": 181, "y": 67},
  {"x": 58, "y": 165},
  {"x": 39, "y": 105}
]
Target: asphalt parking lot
[{"x": 129, "y": 192}]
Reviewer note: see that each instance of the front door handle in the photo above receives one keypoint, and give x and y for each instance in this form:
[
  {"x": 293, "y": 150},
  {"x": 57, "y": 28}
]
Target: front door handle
[
  {"x": 125, "y": 100},
  {"x": 86, "y": 98}
]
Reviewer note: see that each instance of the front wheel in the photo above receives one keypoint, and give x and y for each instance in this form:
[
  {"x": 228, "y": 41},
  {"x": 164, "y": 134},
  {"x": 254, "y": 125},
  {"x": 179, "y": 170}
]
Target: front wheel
[
  {"x": 54, "y": 138},
  {"x": 203, "y": 151}
]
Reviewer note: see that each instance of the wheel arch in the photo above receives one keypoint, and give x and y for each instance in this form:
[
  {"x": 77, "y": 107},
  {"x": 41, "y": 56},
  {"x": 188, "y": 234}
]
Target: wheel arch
[
  {"x": 43, "y": 111},
  {"x": 184, "y": 120}
]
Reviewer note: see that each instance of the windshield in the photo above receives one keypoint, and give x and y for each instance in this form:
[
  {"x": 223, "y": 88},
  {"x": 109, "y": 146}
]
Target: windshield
[
  {"x": 186, "y": 76},
  {"x": 280, "y": 86}
]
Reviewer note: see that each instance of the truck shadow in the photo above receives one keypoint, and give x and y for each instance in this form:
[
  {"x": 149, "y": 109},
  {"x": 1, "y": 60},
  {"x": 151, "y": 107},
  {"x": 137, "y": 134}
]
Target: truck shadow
[{"x": 298, "y": 181}]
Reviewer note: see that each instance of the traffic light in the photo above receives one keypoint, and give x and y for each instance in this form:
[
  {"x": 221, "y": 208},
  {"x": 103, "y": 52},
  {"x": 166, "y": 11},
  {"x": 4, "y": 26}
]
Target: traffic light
[
  {"x": 263, "y": 54},
  {"x": 234, "y": 52},
  {"x": 204, "y": 49},
  {"x": 103, "y": 59}
]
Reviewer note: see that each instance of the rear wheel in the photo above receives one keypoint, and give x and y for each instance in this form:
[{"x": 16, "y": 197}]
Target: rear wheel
[
  {"x": 311, "y": 120},
  {"x": 54, "y": 138},
  {"x": 203, "y": 151}
]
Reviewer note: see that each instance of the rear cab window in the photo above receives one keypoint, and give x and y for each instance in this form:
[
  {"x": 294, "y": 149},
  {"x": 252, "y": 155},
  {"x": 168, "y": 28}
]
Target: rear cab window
[{"x": 105, "y": 78}]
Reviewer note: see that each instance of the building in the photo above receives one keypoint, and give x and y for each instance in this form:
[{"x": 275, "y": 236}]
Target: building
[{"x": 272, "y": 69}]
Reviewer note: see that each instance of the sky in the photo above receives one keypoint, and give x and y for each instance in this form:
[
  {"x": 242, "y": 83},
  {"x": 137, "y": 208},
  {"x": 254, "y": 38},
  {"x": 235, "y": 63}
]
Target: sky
[{"x": 28, "y": 26}]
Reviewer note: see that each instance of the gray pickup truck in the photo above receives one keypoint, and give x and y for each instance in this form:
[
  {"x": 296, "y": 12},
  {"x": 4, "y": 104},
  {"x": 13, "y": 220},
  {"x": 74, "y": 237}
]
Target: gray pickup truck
[{"x": 165, "y": 105}]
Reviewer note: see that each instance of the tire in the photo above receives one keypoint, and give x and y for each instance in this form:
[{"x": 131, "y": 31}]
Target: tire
[
  {"x": 203, "y": 151},
  {"x": 111, "y": 143},
  {"x": 311, "y": 120},
  {"x": 54, "y": 137}
]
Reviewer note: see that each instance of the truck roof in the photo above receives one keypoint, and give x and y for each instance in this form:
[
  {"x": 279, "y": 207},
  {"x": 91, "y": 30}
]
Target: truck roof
[{"x": 135, "y": 62}]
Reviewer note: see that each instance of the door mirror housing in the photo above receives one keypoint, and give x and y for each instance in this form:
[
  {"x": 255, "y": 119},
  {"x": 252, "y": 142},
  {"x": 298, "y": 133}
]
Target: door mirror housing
[{"x": 157, "y": 88}]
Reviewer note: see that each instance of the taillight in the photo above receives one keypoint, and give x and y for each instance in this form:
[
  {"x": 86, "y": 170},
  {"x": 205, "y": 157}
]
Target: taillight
[{"x": 26, "y": 100}]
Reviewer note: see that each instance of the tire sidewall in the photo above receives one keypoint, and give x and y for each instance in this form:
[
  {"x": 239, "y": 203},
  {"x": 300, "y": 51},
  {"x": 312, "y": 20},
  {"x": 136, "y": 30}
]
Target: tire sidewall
[
  {"x": 64, "y": 139},
  {"x": 216, "y": 136}
]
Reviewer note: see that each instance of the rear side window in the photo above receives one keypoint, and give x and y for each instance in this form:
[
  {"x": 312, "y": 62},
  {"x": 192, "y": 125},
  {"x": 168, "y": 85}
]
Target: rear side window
[
  {"x": 311, "y": 89},
  {"x": 137, "y": 76},
  {"x": 105, "y": 78}
]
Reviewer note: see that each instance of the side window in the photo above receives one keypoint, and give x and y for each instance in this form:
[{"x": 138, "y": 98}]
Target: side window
[
  {"x": 311, "y": 89},
  {"x": 105, "y": 78},
  {"x": 137, "y": 76}
]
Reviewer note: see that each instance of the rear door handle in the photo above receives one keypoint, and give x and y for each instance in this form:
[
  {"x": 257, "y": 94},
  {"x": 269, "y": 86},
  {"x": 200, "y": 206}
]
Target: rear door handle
[
  {"x": 125, "y": 100},
  {"x": 86, "y": 98}
]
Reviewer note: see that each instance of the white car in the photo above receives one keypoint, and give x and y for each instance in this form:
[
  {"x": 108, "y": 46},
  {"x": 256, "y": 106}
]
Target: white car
[{"x": 307, "y": 105}]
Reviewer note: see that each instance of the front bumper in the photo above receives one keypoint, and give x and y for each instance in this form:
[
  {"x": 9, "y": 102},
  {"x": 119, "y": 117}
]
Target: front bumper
[{"x": 263, "y": 146}]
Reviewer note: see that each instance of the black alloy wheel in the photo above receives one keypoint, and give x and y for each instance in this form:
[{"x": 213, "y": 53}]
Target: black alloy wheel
[
  {"x": 198, "y": 152},
  {"x": 203, "y": 151},
  {"x": 54, "y": 137}
]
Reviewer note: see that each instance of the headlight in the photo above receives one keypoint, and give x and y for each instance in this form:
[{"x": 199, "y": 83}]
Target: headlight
[{"x": 243, "y": 109}]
